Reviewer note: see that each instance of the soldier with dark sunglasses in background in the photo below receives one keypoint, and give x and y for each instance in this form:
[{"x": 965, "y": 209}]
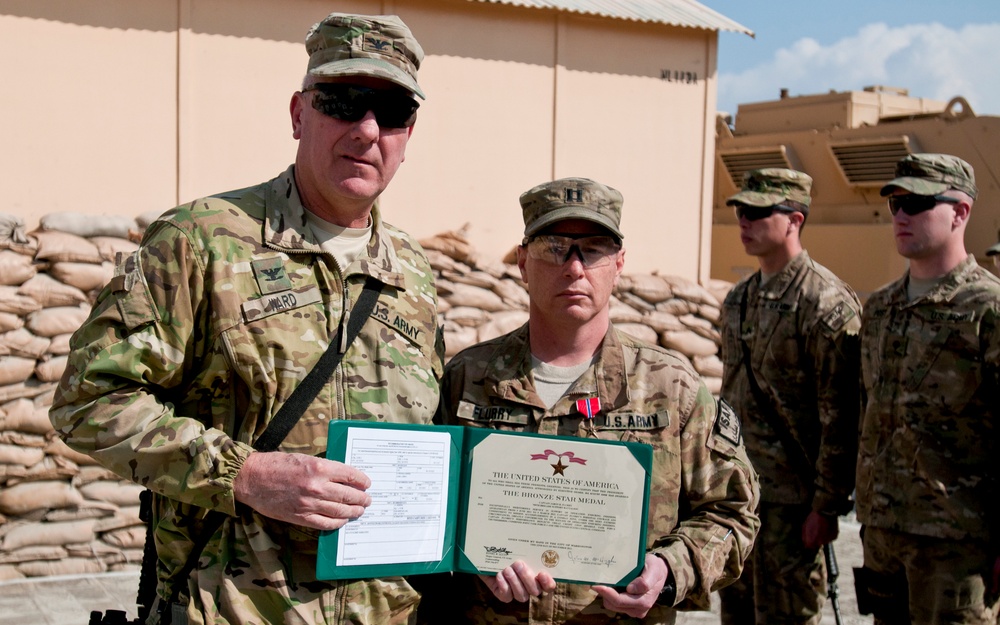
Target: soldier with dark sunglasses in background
[
  {"x": 790, "y": 353},
  {"x": 227, "y": 305},
  {"x": 927, "y": 477}
]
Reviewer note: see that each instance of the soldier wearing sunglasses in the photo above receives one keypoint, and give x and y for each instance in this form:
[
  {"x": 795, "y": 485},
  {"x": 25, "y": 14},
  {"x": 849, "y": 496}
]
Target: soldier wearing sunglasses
[
  {"x": 227, "y": 305},
  {"x": 927, "y": 476},
  {"x": 790, "y": 353},
  {"x": 568, "y": 371}
]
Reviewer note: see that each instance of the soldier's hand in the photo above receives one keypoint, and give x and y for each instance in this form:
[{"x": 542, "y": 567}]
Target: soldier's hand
[
  {"x": 641, "y": 593},
  {"x": 518, "y": 582},
  {"x": 300, "y": 489},
  {"x": 818, "y": 530}
]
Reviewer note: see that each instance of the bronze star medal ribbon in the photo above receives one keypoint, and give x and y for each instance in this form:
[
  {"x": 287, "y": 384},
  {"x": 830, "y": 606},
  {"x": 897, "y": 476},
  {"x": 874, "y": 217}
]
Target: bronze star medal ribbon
[{"x": 588, "y": 407}]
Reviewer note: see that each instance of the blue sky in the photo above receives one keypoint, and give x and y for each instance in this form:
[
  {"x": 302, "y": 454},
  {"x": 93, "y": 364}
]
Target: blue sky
[{"x": 934, "y": 48}]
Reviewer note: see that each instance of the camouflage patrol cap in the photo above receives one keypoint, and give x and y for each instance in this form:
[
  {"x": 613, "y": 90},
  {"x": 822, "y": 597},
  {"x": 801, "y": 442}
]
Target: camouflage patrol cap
[
  {"x": 571, "y": 198},
  {"x": 773, "y": 186},
  {"x": 380, "y": 46},
  {"x": 930, "y": 174}
]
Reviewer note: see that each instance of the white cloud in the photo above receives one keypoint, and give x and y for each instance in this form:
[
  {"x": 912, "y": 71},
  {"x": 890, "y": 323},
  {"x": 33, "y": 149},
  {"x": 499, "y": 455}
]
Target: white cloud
[{"x": 930, "y": 60}]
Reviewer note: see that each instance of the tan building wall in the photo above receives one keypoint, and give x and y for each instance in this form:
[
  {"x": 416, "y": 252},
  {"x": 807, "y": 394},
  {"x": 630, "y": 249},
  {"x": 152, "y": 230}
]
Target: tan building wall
[{"x": 121, "y": 107}]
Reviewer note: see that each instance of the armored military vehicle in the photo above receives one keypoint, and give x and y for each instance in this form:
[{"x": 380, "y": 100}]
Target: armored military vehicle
[{"x": 849, "y": 143}]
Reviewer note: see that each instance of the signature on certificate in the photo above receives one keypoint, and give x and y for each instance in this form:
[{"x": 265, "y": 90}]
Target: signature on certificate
[{"x": 605, "y": 561}]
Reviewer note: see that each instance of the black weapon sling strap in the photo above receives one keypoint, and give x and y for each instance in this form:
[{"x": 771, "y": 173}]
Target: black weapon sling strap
[
  {"x": 796, "y": 453},
  {"x": 283, "y": 422}
]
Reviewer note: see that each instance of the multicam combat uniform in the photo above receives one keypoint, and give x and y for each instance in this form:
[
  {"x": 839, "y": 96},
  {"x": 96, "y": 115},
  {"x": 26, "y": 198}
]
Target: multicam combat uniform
[
  {"x": 703, "y": 493},
  {"x": 927, "y": 466},
  {"x": 801, "y": 329},
  {"x": 201, "y": 336}
]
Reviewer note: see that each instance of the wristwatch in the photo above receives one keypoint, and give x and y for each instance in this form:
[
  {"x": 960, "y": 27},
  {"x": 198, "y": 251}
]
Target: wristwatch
[{"x": 668, "y": 595}]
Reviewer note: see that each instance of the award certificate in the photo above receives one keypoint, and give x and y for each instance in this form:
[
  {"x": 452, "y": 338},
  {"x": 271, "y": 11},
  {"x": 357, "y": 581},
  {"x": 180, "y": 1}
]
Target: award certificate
[
  {"x": 566, "y": 505},
  {"x": 452, "y": 498}
]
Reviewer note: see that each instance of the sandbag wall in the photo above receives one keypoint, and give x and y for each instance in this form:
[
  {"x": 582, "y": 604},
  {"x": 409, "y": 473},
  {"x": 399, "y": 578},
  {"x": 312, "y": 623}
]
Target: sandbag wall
[{"x": 61, "y": 513}]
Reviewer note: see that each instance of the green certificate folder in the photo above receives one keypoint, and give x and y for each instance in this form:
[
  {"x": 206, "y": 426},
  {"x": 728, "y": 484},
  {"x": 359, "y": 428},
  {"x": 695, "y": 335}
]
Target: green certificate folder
[{"x": 474, "y": 500}]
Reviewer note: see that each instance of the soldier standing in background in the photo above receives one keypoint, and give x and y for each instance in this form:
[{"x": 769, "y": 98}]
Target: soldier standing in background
[
  {"x": 207, "y": 329},
  {"x": 993, "y": 253},
  {"x": 701, "y": 519},
  {"x": 927, "y": 477},
  {"x": 790, "y": 349}
]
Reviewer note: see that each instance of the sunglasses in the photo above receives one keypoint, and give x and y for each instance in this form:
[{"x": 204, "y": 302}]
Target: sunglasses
[
  {"x": 350, "y": 103},
  {"x": 755, "y": 213},
  {"x": 556, "y": 249},
  {"x": 913, "y": 204}
]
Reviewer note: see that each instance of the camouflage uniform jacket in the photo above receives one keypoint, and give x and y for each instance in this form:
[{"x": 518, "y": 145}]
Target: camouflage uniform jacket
[
  {"x": 928, "y": 451},
  {"x": 200, "y": 337},
  {"x": 703, "y": 492},
  {"x": 801, "y": 329}
]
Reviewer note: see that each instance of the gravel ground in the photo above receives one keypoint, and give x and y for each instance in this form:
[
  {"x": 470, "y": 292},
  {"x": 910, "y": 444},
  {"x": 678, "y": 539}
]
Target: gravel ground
[{"x": 849, "y": 555}]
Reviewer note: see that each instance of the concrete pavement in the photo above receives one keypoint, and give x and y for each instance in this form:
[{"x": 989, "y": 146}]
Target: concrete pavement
[{"x": 66, "y": 600}]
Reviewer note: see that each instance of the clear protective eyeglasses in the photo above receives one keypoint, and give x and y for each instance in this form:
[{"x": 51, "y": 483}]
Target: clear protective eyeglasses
[{"x": 556, "y": 249}]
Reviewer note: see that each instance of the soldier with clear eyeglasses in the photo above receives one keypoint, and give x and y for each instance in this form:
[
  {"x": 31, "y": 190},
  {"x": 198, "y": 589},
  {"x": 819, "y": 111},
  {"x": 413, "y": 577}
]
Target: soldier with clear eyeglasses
[{"x": 568, "y": 371}]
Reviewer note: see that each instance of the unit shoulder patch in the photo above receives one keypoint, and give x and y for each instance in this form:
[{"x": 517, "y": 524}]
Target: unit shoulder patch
[
  {"x": 727, "y": 423},
  {"x": 838, "y": 316}
]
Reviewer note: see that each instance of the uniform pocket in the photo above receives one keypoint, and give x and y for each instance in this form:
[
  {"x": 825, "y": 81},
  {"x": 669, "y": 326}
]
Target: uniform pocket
[{"x": 131, "y": 293}]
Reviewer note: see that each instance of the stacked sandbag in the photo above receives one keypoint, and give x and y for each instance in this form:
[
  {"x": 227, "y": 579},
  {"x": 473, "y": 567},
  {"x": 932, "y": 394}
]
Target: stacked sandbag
[
  {"x": 60, "y": 513},
  {"x": 479, "y": 300}
]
